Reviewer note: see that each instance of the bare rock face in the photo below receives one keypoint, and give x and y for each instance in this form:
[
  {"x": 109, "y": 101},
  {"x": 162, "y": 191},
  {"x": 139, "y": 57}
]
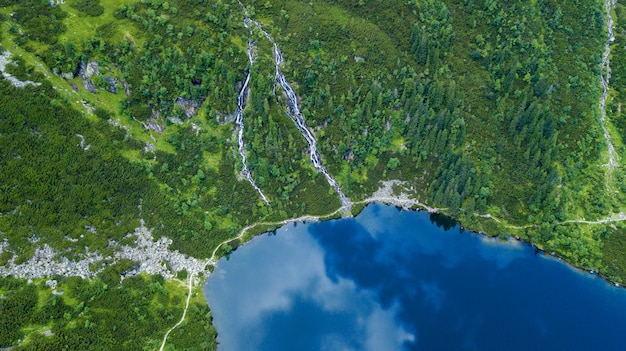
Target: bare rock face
[
  {"x": 88, "y": 69},
  {"x": 74, "y": 87},
  {"x": 126, "y": 88},
  {"x": 149, "y": 147},
  {"x": 89, "y": 86},
  {"x": 223, "y": 119},
  {"x": 112, "y": 88},
  {"x": 174, "y": 120},
  {"x": 152, "y": 124},
  {"x": 190, "y": 106},
  {"x": 67, "y": 75},
  {"x": 348, "y": 155}
]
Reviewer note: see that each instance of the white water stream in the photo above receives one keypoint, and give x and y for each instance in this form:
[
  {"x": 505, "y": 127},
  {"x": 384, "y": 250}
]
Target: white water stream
[
  {"x": 241, "y": 105},
  {"x": 294, "y": 112},
  {"x": 604, "y": 78}
]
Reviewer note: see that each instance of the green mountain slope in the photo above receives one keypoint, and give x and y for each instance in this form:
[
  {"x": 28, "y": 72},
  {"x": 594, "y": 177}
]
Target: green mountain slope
[{"x": 125, "y": 116}]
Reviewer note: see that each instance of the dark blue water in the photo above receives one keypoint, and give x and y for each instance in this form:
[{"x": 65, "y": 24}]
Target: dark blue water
[{"x": 392, "y": 280}]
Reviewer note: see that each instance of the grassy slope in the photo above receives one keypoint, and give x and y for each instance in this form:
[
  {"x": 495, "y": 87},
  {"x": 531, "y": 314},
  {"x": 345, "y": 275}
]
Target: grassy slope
[{"x": 323, "y": 43}]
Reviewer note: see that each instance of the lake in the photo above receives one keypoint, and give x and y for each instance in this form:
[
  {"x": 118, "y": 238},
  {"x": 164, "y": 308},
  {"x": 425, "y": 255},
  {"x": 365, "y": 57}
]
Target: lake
[{"x": 393, "y": 280}]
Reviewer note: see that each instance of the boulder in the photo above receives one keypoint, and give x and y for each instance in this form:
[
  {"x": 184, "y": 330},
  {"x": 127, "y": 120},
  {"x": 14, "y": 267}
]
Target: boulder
[
  {"x": 89, "y": 86},
  {"x": 190, "y": 106},
  {"x": 88, "y": 69},
  {"x": 174, "y": 120},
  {"x": 67, "y": 75},
  {"x": 152, "y": 124},
  {"x": 126, "y": 88},
  {"x": 112, "y": 84}
]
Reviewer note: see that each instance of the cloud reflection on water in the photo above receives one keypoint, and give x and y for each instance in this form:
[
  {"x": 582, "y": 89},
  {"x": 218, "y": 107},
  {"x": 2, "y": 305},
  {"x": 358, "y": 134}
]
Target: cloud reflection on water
[
  {"x": 387, "y": 227},
  {"x": 389, "y": 280},
  {"x": 277, "y": 290}
]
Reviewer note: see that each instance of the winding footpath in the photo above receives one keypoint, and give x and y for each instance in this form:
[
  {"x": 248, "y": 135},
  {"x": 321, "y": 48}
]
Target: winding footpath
[
  {"x": 605, "y": 76},
  {"x": 182, "y": 319}
]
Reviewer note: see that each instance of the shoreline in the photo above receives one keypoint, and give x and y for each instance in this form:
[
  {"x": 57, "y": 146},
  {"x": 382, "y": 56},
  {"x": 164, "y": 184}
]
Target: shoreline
[
  {"x": 383, "y": 196},
  {"x": 399, "y": 202},
  {"x": 386, "y": 196}
]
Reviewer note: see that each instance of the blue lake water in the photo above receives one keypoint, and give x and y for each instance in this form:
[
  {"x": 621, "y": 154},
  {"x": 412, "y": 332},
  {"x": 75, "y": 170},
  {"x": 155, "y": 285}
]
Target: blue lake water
[{"x": 393, "y": 280}]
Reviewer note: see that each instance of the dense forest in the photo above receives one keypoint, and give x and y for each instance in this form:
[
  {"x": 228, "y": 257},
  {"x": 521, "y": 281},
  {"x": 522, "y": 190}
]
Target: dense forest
[{"x": 487, "y": 110}]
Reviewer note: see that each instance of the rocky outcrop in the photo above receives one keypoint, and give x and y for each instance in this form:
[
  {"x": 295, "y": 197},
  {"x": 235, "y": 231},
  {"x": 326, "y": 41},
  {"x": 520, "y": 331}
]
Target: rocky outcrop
[
  {"x": 126, "y": 88},
  {"x": 82, "y": 142},
  {"x": 4, "y": 61},
  {"x": 3, "y": 245},
  {"x": 190, "y": 106},
  {"x": 88, "y": 69},
  {"x": 89, "y": 86},
  {"x": 112, "y": 82},
  {"x": 174, "y": 120},
  {"x": 152, "y": 124},
  {"x": 153, "y": 257},
  {"x": 67, "y": 75},
  {"x": 46, "y": 263},
  {"x": 149, "y": 147},
  {"x": 225, "y": 119}
]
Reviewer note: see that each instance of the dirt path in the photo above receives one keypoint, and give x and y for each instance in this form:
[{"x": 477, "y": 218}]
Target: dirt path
[{"x": 182, "y": 319}]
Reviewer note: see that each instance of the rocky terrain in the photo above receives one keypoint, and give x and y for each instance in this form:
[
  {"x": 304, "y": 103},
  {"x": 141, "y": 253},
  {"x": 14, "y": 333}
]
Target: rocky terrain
[{"x": 152, "y": 257}]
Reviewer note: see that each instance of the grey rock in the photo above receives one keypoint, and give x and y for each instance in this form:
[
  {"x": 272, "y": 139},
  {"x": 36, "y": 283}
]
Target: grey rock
[
  {"x": 126, "y": 88},
  {"x": 348, "y": 155},
  {"x": 67, "y": 75},
  {"x": 112, "y": 84},
  {"x": 74, "y": 87},
  {"x": 174, "y": 120},
  {"x": 224, "y": 119},
  {"x": 4, "y": 61},
  {"x": 88, "y": 69},
  {"x": 89, "y": 86},
  {"x": 152, "y": 257},
  {"x": 152, "y": 124},
  {"x": 149, "y": 148},
  {"x": 190, "y": 106}
]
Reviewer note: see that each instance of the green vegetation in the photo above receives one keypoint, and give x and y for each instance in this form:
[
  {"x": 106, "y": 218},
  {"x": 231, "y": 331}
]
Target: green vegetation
[
  {"x": 488, "y": 109},
  {"x": 93, "y": 315},
  {"x": 486, "y": 106},
  {"x": 614, "y": 239}
]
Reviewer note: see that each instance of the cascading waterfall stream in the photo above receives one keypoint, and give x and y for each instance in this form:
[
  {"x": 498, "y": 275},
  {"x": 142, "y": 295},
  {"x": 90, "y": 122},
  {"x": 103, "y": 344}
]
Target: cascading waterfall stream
[
  {"x": 294, "y": 112},
  {"x": 241, "y": 104},
  {"x": 604, "y": 78}
]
